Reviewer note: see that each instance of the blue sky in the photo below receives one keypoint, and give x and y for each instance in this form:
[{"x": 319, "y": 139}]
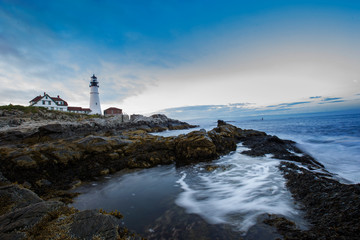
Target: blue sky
[{"x": 154, "y": 55}]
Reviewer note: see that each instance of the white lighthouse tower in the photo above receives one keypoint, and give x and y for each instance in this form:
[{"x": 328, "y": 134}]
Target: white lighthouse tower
[{"x": 94, "y": 96}]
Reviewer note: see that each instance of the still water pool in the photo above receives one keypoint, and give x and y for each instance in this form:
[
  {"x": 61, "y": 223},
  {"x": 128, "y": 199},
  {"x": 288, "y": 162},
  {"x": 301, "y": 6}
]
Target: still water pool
[{"x": 218, "y": 199}]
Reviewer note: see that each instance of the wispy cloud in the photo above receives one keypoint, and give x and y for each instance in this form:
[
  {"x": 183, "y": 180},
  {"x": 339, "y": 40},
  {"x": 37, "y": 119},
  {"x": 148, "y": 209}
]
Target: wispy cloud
[
  {"x": 156, "y": 58},
  {"x": 331, "y": 99},
  {"x": 285, "y": 105},
  {"x": 335, "y": 101}
]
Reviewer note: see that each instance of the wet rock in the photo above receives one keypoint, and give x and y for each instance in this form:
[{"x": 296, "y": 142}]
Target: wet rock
[
  {"x": 260, "y": 146},
  {"x": 224, "y": 138},
  {"x": 106, "y": 171},
  {"x": 43, "y": 182},
  {"x": 65, "y": 155},
  {"x": 176, "y": 224},
  {"x": 90, "y": 223},
  {"x": 14, "y": 197},
  {"x": 81, "y": 152},
  {"x": 332, "y": 207},
  {"x": 25, "y": 161},
  {"x": 3, "y": 180},
  {"x": 194, "y": 147},
  {"x": 23, "y": 215},
  {"x": 221, "y": 123},
  {"x": 94, "y": 144},
  {"x": 211, "y": 168},
  {"x": 22, "y": 219},
  {"x": 262, "y": 230},
  {"x": 50, "y": 128}
]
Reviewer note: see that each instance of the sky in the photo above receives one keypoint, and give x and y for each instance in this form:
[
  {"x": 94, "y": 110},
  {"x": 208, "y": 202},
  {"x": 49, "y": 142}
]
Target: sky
[{"x": 181, "y": 54}]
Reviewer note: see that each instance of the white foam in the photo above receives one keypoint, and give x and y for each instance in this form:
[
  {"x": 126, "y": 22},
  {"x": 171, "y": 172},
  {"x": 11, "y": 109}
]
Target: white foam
[
  {"x": 339, "y": 155},
  {"x": 238, "y": 193}
]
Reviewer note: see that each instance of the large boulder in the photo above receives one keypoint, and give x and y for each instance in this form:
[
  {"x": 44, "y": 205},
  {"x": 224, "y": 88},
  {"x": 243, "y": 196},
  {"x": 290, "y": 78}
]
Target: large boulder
[
  {"x": 15, "y": 224},
  {"x": 194, "y": 147},
  {"x": 13, "y": 197},
  {"x": 224, "y": 137},
  {"x": 89, "y": 223}
]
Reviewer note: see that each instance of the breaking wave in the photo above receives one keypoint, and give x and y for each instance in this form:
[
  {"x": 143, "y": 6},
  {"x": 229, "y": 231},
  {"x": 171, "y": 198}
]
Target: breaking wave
[{"x": 240, "y": 189}]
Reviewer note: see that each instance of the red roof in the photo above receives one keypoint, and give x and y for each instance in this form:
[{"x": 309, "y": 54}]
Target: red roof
[
  {"x": 74, "y": 109},
  {"x": 79, "y": 109},
  {"x": 113, "y": 108},
  {"x": 36, "y": 99},
  {"x": 55, "y": 99}
]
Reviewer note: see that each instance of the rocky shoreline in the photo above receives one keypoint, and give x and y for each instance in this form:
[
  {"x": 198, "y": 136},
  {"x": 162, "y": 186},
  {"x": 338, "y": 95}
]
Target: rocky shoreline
[{"x": 42, "y": 161}]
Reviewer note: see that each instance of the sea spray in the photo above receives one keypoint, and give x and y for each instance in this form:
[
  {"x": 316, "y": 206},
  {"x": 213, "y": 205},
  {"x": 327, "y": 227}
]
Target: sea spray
[
  {"x": 239, "y": 190},
  {"x": 333, "y": 140}
]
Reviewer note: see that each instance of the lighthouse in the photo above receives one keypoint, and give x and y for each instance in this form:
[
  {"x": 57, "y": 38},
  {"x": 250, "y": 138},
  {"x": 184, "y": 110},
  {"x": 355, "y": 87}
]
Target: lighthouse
[{"x": 94, "y": 96}]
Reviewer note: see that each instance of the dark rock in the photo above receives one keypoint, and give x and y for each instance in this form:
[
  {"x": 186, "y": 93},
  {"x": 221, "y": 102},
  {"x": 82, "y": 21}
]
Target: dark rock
[
  {"x": 332, "y": 207},
  {"x": 81, "y": 152},
  {"x": 25, "y": 161},
  {"x": 221, "y": 123},
  {"x": 261, "y": 144},
  {"x": 90, "y": 223},
  {"x": 263, "y": 231},
  {"x": 224, "y": 138},
  {"x": 25, "y": 218},
  {"x": 13, "y": 197},
  {"x": 176, "y": 224},
  {"x": 3, "y": 180},
  {"x": 51, "y": 128},
  {"x": 194, "y": 147}
]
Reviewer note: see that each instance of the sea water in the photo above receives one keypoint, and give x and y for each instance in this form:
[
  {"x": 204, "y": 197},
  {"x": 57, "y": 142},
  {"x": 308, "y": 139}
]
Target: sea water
[
  {"x": 332, "y": 139},
  {"x": 235, "y": 189}
]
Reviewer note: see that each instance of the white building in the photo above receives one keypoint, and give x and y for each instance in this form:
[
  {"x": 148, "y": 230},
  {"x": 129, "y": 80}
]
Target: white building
[
  {"x": 94, "y": 96},
  {"x": 52, "y": 103},
  {"x": 56, "y": 103}
]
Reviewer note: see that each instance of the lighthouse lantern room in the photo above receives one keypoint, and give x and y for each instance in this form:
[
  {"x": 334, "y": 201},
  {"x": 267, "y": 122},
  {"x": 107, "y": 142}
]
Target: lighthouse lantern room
[{"x": 94, "y": 96}]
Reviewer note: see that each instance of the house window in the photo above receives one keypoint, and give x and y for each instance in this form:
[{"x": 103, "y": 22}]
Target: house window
[
  {"x": 43, "y": 102},
  {"x": 49, "y": 103}
]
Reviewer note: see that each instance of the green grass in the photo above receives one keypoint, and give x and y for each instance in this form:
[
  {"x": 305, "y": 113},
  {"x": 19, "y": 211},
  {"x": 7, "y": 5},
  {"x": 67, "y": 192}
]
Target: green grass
[
  {"x": 25, "y": 109},
  {"x": 31, "y": 109}
]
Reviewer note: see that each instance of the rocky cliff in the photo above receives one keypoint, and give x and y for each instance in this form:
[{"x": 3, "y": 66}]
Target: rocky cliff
[{"x": 52, "y": 158}]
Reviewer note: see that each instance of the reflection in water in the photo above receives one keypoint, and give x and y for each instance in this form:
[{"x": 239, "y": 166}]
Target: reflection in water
[{"x": 141, "y": 196}]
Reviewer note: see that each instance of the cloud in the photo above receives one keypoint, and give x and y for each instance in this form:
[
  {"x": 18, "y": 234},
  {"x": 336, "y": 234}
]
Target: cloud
[
  {"x": 335, "y": 101},
  {"x": 158, "y": 59},
  {"x": 14, "y": 96},
  {"x": 331, "y": 99},
  {"x": 285, "y": 105},
  {"x": 36, "y": 58}
]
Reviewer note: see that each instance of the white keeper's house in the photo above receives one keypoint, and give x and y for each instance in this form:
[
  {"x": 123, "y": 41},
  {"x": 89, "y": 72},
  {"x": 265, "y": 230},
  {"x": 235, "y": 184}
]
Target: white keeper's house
[{"x": 56, "y": 103}]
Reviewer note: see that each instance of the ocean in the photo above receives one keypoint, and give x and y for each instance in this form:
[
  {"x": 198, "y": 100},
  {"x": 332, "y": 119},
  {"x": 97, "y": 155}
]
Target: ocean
[
  {"x": 333, "y": 140},
  {"x": 240, "y": 189}
]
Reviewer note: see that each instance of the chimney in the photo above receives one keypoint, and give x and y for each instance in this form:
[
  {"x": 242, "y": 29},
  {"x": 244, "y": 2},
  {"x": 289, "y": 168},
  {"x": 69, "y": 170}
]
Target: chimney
[
  {"x": 44, "y": 93},
  {"x": 58, "y": 96}
]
